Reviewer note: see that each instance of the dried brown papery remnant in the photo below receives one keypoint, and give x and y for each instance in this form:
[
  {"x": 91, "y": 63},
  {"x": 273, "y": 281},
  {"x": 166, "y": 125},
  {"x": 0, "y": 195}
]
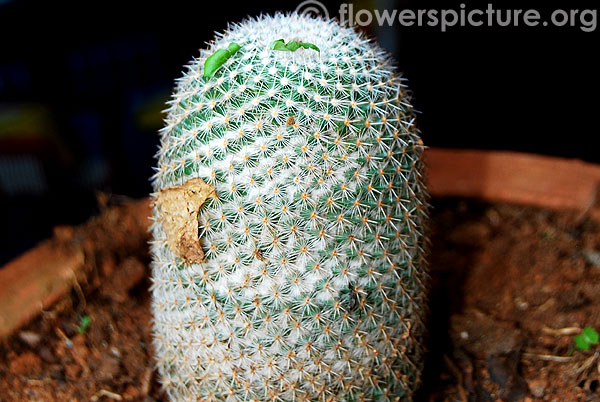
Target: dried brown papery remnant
[{"x": 179, "y": 207}]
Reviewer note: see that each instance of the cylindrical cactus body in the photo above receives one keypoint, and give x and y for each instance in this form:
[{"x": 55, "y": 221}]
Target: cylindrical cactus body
[{"x": 297, "y": 175}]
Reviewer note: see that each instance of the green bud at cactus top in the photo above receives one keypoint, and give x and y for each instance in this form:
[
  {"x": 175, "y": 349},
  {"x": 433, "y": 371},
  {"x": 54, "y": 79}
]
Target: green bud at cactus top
[{"x": 288, "y": 245}]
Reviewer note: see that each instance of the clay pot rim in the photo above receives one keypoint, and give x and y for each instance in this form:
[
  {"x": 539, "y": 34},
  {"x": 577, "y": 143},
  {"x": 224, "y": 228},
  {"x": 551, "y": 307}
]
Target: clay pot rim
[{"x": 44, "y": 274}]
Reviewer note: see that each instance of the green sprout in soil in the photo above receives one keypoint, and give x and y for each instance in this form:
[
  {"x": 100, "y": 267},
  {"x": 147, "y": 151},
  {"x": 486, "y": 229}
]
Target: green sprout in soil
[
  {"x": 84, "y": 324},
  {"x": 588, "y": 337},
  {"x": 292, "y": 46},
  {"x": 218, "y": 58}
]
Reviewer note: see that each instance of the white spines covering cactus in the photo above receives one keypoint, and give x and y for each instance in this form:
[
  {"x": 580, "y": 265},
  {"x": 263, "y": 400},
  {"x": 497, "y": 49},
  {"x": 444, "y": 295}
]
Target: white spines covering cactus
[{"x": 310, "y": 285}]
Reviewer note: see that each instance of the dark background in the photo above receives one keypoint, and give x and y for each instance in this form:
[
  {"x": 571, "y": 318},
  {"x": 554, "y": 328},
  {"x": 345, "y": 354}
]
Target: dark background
[{"x": 82, "y": 86}]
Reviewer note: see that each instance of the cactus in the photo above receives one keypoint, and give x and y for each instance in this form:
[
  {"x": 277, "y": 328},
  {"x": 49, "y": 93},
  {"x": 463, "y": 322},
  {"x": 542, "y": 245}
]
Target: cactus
[{"x": 289, "y": 211}]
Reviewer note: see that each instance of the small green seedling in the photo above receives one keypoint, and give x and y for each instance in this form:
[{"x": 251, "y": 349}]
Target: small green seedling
[
  {"x": 218, "y": 58},
  {"x": 292, "y": 46},
  {"x": 586, "y": 338},
  {"x": 84, "y": 324}
]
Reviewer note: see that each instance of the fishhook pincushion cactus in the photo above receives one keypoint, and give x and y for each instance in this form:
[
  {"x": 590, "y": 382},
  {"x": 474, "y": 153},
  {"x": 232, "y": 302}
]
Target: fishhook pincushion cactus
[{"x": 288, "y": 245}]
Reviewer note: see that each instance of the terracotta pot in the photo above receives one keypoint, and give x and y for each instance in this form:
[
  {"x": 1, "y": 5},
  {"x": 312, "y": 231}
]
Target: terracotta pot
[{"x": 41, "y": 276}]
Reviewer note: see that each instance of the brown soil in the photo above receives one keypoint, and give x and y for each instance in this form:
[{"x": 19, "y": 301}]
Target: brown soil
[{"x": 511, "y": 286}]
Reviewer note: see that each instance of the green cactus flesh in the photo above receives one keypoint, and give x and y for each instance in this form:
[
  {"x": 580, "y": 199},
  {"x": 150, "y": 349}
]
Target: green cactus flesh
[{"x": 312, "y": 285}]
